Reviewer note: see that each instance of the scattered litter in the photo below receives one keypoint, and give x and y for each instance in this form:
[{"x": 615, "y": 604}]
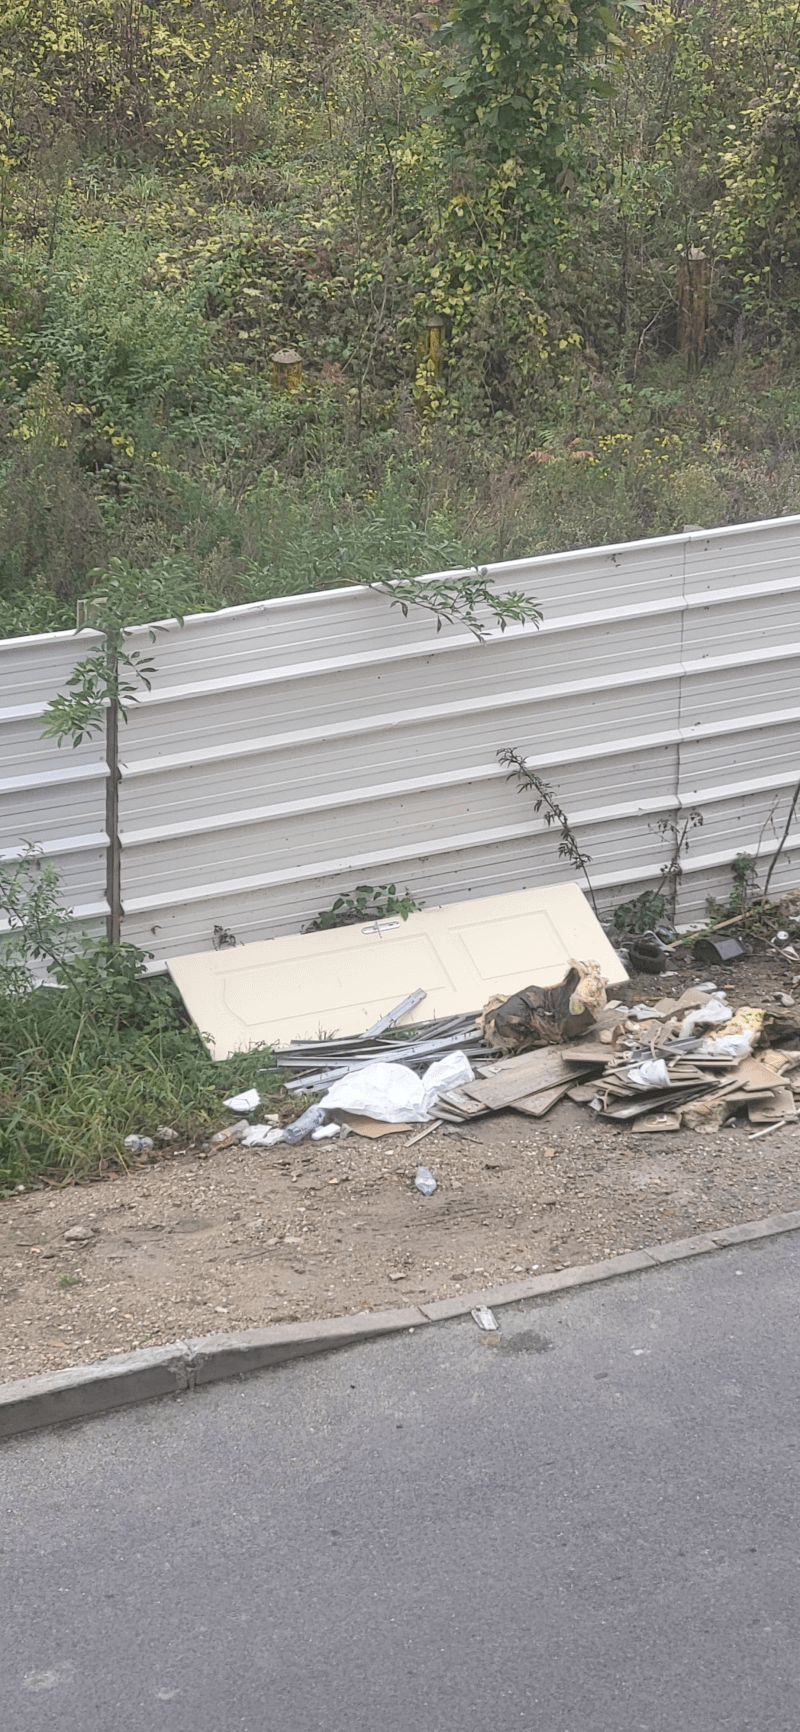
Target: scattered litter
[
  {"x": 257, "y": 1135},
  {"x": 165, "y": 1134},
  {"x": 138, "y": 1145},
  {"x": 233, "y": 1134},
  {"x": 658, "y": 1122},
  {"x": 485, "y": 1318},
  {"x": 307, "y": 1122},
  {"x": 245, "y": 1103},
  {"x": 425, "y": 1182},
  {"x": 366, "y": 1127},
  {"x": 715, "y": 1012},
  {"x": 754, "y": 1135},
  {"x": 683, "y": 1061},
  {"x": 425, "y": 1132}
]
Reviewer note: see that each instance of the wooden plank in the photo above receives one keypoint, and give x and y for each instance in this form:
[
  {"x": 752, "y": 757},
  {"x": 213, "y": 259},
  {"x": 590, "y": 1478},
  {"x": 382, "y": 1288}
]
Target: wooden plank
[
  {"x": 535, "y": 1071},
  {"x": 535, "y": 1106}
]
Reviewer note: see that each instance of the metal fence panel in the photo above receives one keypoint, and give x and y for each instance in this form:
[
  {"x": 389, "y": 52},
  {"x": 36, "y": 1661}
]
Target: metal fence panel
[{"x": 291, "y": 749}]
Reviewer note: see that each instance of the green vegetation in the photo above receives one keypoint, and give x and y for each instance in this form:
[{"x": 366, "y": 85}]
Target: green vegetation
[
  {"x": 368, "y": 902},
  {"x": 541, "y": 263},
  {"x": 99, "y": 1051},
  {"x": 188, "y": 188},
  {"x": 528, "y": 782}
]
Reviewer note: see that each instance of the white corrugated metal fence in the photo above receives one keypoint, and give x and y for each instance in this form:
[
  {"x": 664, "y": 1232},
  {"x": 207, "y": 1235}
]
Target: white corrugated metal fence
[{"x": 292, "y": 749}]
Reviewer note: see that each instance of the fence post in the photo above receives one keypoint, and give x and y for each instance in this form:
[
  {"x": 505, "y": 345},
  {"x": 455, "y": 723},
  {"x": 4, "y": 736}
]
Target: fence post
[
  {"x": 287, "y": 370},
  {"x": 692, "y": 306},
  {"x": 114, "y": 849}
]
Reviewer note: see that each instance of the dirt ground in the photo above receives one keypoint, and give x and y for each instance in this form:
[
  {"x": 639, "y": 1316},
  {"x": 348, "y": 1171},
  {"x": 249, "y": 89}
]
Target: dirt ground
[{"x": 254, "y": 1236}]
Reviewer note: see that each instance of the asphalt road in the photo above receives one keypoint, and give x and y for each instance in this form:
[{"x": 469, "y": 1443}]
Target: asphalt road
[{"x": 590, "y": 1527}]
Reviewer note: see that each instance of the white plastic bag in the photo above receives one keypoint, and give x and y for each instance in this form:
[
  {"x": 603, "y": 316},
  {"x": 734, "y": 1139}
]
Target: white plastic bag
[
  {"x": 652, "y": 1073},
  {"x": 446, "y": 1073},
  {"x": 393, "y": 1092},
  {"x": 245, "y": 1103},
  {"x": 728, "y": 1045},
  {"x": 390, "y": 1092},
  {"x": 714, "y": 1014}
]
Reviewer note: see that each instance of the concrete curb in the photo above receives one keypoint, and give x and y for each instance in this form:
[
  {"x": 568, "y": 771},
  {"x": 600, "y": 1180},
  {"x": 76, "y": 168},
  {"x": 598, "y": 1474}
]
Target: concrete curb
[{"x": 84, "y": 1390}]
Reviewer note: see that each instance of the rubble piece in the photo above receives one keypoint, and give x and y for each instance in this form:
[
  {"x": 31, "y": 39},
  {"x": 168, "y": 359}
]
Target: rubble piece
[
  {"x": 756, "y": 1073},
  {"x": 695, "y": 996},
  {"x": 453, "y": 1105},
  {"x": 425, "y": 1132},
  {"x": 545, "y": 1016},
  {"x": 658, "y": 1122},
  {"x": 244, "y": 1103},
  {"x": 778, "y": 1105},
  {"x": 612, "y": 1017},
  {"x": 706, "y": 1114}
]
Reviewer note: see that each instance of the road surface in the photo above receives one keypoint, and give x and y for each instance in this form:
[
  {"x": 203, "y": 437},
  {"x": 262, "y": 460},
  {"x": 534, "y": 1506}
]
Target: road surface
[{"x": 591, "y": 1526}]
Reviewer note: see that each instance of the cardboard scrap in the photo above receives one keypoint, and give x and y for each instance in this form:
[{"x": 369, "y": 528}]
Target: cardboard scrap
[
  {"x": 365, "y": 1127},
  {"x": 778, "y": 1105}
]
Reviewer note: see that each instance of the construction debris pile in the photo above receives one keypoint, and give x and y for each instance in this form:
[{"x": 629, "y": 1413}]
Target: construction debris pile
[
  {"x": 681, "y": 1062},
  {"x": 688, "y": 1062}
]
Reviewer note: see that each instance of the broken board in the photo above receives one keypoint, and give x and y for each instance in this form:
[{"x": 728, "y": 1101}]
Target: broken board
[{"x": 341, "y": 981}]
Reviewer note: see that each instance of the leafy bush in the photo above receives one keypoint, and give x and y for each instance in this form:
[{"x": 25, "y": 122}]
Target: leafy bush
[{"x": 96, "y": 1051}]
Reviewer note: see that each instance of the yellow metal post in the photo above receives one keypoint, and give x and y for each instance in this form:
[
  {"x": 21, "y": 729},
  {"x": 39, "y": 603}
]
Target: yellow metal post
[{"x": 287, "y": 370}]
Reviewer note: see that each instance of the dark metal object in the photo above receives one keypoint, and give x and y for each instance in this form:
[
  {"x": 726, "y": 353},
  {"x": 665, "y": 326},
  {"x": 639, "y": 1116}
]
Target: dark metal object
[
  {"x": 717, "y": 950},
  {"x": 647, "y": 954}
]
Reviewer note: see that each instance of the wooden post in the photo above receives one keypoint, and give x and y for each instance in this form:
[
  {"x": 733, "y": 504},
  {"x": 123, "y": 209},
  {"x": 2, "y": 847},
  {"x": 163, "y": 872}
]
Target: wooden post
[
  {"x": 287, "y": 370},
  {"x": 692, "y": 306}
]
